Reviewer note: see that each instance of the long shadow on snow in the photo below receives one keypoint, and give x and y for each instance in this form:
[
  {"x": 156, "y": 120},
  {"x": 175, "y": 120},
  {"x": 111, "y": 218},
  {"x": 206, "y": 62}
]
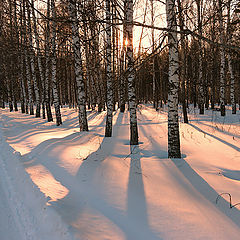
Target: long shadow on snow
[
  {"x": 59, "y": 173},
  {"x": 78, "y": 199},
  {"x": 74, "y": 121},
  {"x": 217, "y": 138},
  {"x": 231, "y": 174},
  {"x": 221, "y": 131},
  {"x": 47, "y": 146},
  {"x": 215, "y": 117},
  {"x": 68, "y": 124},
  {"x": 136, "y": 200},
  {"x": 207, "y": 191},
  {"x": 155, "y": 150},
  {"x": 25, "y": 118},
  {"x": 145, "y": 118}
]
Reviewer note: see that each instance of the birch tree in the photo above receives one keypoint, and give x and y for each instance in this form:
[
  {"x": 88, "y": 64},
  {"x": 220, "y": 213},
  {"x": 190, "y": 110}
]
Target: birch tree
[
  {"x": 48, "y": 64},
  {"x": 155, "y": 104},
  {"x": 229, "y": 57},
  {"x": 131, "y": 74},
  {"x": 108, "y": 129},
  {"x": 28, "y": 73},
  {"x": 82, "y": 114},
  {"x": 222, "y": 63},
  {"x": 32, "y": 62},
  {"x": 183, "y": 72},
  {"x": 122, "y": 79},
  {"x": 200, "y": 77},
  {"x": 9, "y": 68},
  {"x": 173, "y": 125},
  {"x": 39, "y": 63},
  {"x": 23, "y": 89},
  {"x": 56, "y": 101},
  {"x": 122, "y": 68}
]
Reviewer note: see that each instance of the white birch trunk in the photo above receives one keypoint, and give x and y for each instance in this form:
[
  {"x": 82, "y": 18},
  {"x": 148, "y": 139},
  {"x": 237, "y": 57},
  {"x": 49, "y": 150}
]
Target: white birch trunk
[
  {"x": 230, "y": 68},
  {"x": 32, "y": 56},
  {"x": 28, "y": 74},
  {"x": 173, "y": 125},
  {"x": 122, "y": 81},
  {"x": 183, "y": 72},
  {"x": 82, "y": 114},
  {"x": 29, "y": 85},
  {"x": 200, "y": 79},
  {"x": 54, "y": 67},
  {"x": 131, "y": 74},
  {"x": 123, "y": 65},
  {"x": 153, "y": 61},
  {"x": 108, "y": 129},
  {"x": 23, "y": 90},
  {"x": 8, "y": 82},
  {"x": 200, "y": 62},
  {"x": 222, "y": 64},
  {"x": 39, "y": 59},
  {"x": 48, "y": 64},
  {"x": 232, "y": 85}
]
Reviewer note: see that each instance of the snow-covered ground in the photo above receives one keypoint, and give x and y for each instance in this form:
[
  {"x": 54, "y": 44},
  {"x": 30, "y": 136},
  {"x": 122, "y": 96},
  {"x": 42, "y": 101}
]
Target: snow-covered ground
[
  {"x": 23, "y": 208},
  {"x": 101, "y": 188}
]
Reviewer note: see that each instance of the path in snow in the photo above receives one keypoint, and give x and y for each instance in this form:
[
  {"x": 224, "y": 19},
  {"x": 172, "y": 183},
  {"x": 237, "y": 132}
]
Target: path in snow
[
  {"x": 24, "y": 214},
  {"x": 8, "y": 228}
]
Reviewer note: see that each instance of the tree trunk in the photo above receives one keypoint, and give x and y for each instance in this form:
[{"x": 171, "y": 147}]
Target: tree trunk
[
  {"x": 108, "y": 129},
  {"x": 78, "y": 68},
  {"x": 153, "y": 60},
  {"x": 222, "y": 64},
  {"x": 230, "y": 68},
  {"x": 183, "y": 72},
  {"x": 173, "y": 125},
  {"x": 39, "y": 64},
  {"x": 200, "y": 77},
  {"x": 131, "y": 75},
  {"x": 32, "y": 56},
  {"x": 48, "y": 64},
  {"x": 28, "y": 73},
  {"x": 232, "y": 85},
  {"x": 56, "y": 101},
  {"x": 122, "y": 82}
]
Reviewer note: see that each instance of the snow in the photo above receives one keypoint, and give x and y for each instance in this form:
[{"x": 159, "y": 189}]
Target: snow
[
  {"x": 23, "y": 208},
  {"x": 90, "y": 187}
]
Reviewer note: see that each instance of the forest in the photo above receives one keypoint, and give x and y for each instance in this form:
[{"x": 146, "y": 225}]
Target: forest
[{"x": 96, "y": 95}]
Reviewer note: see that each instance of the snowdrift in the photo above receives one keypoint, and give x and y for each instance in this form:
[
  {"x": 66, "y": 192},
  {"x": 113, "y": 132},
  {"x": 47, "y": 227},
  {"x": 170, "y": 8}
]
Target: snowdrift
[{"x": 33, "y": 218}]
